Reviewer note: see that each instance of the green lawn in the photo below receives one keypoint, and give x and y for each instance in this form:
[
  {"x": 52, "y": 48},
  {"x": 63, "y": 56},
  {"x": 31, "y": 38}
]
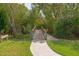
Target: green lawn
[
  {"x": 65, "y": 47},
  {"x": 15, "y": 47}
]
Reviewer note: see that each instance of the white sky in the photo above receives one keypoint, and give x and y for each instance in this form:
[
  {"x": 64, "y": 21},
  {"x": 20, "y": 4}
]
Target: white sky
[{"x": 28, "y": 5}]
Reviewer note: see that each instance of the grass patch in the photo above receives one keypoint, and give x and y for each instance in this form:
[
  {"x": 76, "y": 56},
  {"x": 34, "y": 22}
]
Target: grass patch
[
  {"x": 65, "y": 47},
  {"x": 16, "y": 47}
]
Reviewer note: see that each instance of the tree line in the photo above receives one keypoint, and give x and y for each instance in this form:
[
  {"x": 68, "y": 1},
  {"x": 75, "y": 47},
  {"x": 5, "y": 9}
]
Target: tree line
[{"x": 61, "y": 20}]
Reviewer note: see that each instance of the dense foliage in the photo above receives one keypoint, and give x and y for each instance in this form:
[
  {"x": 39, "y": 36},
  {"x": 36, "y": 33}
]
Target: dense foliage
[
  {"x": 61, "y": 20},
  {"x": 13, "y": 18}
]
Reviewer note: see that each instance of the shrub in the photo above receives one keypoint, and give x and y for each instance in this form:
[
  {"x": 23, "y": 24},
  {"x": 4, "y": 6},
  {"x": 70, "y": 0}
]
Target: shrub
[
  {"x": 63, "y": 28},
  {"x": 3, "y": 21},
  {"x": 75, "y": 27},
  {"x": 21, "y": 36}
]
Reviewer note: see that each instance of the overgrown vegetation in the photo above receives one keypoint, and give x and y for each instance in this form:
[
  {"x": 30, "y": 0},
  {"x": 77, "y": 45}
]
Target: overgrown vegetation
[
  {"x": 13, "y": 18},
  {"x": 61, "y": 19}
]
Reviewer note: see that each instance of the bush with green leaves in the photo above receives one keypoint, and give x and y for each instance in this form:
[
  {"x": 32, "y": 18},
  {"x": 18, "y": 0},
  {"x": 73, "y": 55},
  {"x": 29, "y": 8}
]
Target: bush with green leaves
[
  {"x": 63, "y": 28},
  {"x": 3, "y": 21},
  {"x": 66, "y": 28},
  {"x": 75, "y": 27}
]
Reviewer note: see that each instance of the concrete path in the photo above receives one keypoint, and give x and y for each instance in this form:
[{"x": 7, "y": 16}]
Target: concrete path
[
  {"x": 39, "y": 46},
  {"x": 42, "y": 49},
  {"x": 49, "y": 37}
]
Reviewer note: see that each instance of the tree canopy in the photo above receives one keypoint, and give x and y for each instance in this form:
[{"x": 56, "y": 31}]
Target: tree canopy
[{"x": 61, "y": 19}]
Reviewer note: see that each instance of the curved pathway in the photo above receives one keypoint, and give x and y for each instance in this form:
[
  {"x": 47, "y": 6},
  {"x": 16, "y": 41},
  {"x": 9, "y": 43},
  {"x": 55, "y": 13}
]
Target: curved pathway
[{"x": 39, "y": 46}]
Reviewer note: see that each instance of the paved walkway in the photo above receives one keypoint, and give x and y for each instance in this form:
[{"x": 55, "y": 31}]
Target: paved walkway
[
  {"x": 39, "y": 46},
  {"x": 49, "y": 37}
]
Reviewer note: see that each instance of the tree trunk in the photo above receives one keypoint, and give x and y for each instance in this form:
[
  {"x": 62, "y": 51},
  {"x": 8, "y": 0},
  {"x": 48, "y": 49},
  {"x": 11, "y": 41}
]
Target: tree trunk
[{"x": 11, "y": 20}]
